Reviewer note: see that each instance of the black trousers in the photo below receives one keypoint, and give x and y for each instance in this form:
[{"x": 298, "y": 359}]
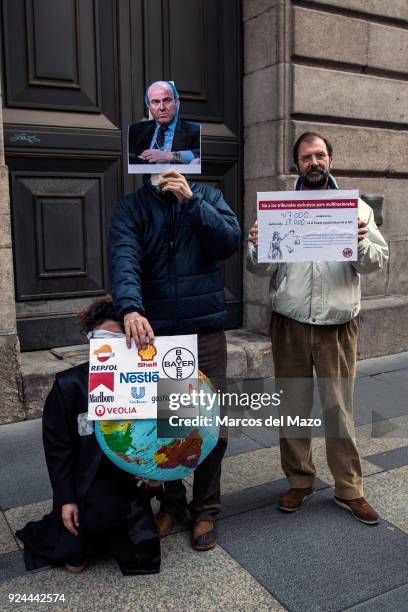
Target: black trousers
[
  {"x": 114, "y": 517},
  {"x": 206, "y": 503}
]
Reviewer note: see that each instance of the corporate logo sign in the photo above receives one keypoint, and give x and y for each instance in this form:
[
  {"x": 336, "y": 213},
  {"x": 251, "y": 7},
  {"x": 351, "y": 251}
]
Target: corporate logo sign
[
  {"x": 123, "y": 382},
  {"x": 179, "y": 363},
  {"x": 104, "y": 352},
  {"x": 138, "y": 395}
]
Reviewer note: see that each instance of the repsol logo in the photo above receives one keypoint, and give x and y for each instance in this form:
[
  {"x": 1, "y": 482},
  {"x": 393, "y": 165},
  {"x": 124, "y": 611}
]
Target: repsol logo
[{"x": 139, "y": 377}]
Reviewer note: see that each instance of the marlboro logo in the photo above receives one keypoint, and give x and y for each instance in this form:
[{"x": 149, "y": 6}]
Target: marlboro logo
[{"x": 107, "y": 379}]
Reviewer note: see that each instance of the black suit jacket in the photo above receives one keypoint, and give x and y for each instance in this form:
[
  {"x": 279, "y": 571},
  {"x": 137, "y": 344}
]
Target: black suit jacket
[
  {"x": 73, "y": 457},
  {"x": 186, "y": 138}
]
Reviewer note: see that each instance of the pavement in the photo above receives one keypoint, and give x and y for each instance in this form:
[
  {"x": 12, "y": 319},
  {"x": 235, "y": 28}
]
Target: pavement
[{"x": 317, "y": 559}]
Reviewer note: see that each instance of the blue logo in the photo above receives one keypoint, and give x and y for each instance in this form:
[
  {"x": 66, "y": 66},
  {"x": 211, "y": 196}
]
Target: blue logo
[
  {"x": 137, "y": 394},
  {"x": 139, "y": 377}
]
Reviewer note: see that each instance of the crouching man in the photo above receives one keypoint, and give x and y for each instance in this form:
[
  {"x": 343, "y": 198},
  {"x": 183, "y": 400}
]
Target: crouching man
[{"x": 96, "y": 506}]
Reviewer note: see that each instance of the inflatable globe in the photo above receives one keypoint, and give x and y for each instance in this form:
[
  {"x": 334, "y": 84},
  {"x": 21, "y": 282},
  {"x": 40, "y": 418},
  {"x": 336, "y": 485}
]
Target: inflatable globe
[{"x": 133, "y": 445}]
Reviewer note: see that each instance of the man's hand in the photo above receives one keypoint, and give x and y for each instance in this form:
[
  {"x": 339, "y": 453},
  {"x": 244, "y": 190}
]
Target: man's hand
[
  {"x": 70, "y": 517},
  {"x": 155, "y": 156},
  {"x": 148, "y": 484},
  {"x": 137, "y": 327},
  {"x": 362, "y": 230},
  {"x": 176, "y": 183},
  {"x": 253, "y": 234}
]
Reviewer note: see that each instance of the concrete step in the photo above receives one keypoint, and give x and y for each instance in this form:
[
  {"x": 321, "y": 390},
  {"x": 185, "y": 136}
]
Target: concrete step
[{"x": 249, "y": 356}]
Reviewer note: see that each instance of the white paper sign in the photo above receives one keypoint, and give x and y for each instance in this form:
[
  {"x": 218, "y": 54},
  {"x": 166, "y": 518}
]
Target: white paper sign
[
  {"x": 307, "y": 225},
  {"x": 123, "y": 382}
]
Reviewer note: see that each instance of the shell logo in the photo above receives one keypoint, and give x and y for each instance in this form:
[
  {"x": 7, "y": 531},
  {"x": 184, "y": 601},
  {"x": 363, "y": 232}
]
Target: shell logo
[
  {"x": 104, "y": 352},
  {"x": 147, "y": 352}
]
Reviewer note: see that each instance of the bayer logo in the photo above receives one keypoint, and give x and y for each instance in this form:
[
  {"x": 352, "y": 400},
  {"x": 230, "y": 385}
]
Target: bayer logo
[{"x": 178, "y": 363}]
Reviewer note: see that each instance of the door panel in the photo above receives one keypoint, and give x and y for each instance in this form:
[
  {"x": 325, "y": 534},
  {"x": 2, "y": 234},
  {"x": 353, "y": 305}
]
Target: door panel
[
  {"x": 46, "y": 30},
  {"x": 57, "y": 224},
  {"x": 71, "y": 87}
]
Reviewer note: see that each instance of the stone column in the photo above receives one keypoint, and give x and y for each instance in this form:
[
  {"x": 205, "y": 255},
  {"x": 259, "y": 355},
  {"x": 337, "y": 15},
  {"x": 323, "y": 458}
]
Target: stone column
[{"x": 11, "y": 404}]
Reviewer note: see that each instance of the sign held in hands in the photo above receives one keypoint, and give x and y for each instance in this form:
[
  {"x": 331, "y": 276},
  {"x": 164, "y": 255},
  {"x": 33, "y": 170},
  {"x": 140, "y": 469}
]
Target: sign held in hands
[
  {"x": 307, "y": 225},
  {"x": 123, "y": 382}
]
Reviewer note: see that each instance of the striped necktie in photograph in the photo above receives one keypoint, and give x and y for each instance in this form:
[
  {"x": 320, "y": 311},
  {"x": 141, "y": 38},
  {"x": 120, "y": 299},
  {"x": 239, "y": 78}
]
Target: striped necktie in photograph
[{"x": 160, "y": 137}]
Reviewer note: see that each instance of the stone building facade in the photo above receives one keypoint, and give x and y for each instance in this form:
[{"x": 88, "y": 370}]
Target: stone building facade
[
  {"x": 11, "y": 395},
  {"x": 338, "y": 67}
]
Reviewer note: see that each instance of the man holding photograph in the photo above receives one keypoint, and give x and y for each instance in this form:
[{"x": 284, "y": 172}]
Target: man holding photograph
[
  {"x": 165, "y": 243},
  {"x": 315, "y": 305},
  {"x": 166, "y": 139}
]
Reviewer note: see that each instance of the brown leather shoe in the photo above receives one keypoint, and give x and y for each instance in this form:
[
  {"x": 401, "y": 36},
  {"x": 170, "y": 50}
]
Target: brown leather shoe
[
  {"x": 294, "y": 498},
  {"x": 76, "y": 569},
  {"x": 206, "y": 540},
  {"x": 166, "y": 521},
  {"x": 360, "y": 508}
]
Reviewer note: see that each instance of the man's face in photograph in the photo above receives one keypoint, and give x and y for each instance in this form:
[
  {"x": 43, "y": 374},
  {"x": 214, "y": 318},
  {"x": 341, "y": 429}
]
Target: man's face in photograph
[{"x": 162, "y": 104}]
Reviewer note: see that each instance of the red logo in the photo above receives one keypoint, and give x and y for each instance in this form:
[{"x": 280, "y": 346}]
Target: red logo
[
  {"x": 101, "y": 378},
  {"x": 347, "y": 252},
  {"x": 99, "y": 410}
]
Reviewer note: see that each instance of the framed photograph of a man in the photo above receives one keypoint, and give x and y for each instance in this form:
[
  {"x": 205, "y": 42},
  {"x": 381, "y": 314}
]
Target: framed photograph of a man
[{"x": 165, "y": 141}]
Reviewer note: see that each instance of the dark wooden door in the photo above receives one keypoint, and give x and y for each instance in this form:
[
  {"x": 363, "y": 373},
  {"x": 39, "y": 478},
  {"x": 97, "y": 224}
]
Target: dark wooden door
[{"x": 74, "y": 74}]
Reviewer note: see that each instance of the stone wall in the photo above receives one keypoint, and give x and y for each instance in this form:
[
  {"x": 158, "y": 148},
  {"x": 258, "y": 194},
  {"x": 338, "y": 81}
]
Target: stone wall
[
  {"x": 11, "y": 405},
  {"x": 339, "y": 67}
]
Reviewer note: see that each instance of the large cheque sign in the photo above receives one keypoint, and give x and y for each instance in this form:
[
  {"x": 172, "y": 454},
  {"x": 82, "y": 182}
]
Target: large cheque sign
[
  {"x": 307, "y": 226},
  {"x": 123, "y": 382}
]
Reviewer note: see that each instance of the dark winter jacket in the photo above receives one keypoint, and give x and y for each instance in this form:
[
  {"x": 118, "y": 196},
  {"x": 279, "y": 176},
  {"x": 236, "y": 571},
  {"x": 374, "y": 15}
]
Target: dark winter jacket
[{"x": 163, "y": 258}]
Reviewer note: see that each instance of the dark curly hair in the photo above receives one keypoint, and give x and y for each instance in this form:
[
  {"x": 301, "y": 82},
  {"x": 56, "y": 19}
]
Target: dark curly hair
[{"x": 95, "y": 314}]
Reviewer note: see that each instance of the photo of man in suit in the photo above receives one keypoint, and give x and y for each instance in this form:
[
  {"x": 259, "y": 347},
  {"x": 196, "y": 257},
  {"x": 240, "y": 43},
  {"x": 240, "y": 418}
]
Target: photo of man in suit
[{"x": 166, "y": 139}]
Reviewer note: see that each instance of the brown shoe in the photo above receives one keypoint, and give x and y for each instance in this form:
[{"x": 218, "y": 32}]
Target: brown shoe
[
  {"x": 166, "y": 521},
  {"x": 360, "y": 508},
  {"x": 294, "y": 498},
  {"x": 76, "y": 569},
  {"x": 206, "y": 540}
]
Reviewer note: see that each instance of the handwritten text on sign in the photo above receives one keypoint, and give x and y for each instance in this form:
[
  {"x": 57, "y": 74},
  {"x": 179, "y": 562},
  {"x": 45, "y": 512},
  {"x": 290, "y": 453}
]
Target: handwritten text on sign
[{"x": 319, "y": 226}]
